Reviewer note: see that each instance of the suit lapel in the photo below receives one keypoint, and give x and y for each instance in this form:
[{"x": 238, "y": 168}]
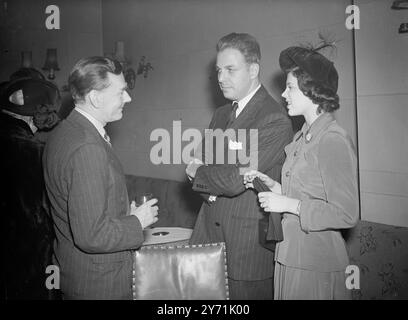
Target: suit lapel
[
  {"x": 78, "y": 118},
  {"x": 222, "y": 119},
  {"x": 248, "y": 113},
  {"x": 250, "y": 109}
]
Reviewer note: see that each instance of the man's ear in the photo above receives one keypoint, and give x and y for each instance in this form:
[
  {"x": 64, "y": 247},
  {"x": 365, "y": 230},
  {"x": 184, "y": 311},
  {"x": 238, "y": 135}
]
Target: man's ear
[
  {"x": 94, "y": 98},
  {"x": 254, "y": 70}
]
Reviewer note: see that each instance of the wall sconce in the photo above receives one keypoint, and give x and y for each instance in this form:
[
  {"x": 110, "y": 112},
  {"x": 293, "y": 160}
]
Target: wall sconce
[
  {"x": 51, "y": 63},
  {"x": 128, "y": 72},
  {"x": 144, "y": 67},
  {"x": 399, "y": 4}
]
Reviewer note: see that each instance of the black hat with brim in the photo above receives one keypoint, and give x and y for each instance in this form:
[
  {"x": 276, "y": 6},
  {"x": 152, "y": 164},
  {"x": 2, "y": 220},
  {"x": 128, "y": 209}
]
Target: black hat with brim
[
  {"x": 317, "y": 66},
  {"x": 35, "y": 92}
]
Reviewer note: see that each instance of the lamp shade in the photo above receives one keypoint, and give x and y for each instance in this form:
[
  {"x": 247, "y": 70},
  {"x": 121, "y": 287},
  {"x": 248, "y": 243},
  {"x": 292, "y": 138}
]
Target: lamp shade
[
  {"x": 120, "y": 51},
  {"x": 51, "y": 62},
  {"x": 26, "y": 59}
]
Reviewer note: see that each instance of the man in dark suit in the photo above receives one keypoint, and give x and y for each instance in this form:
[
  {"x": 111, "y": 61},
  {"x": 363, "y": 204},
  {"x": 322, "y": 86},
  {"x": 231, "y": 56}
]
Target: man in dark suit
[
  {"x": 231, "y": 213},
  {"x": 95, "y": 226}
]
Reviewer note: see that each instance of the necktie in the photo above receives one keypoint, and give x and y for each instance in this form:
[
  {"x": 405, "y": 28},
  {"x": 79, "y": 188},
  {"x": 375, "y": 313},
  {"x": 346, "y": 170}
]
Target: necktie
[
  {"x": 233, "y": 113},
  {"x": 107, "y": 139}
]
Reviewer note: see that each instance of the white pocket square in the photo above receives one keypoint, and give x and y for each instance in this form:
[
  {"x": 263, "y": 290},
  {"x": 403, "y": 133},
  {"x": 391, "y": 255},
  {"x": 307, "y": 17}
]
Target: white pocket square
[
  {"x": 234, "y": 145},
  {"x": 212, "y": 198}
]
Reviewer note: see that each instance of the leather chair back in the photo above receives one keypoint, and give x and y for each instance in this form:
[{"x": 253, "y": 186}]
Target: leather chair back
[{"x": 188, "y": 272}]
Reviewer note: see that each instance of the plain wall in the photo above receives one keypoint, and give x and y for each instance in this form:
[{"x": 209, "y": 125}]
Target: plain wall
[
  {"x": 382, "y": 104},
  {"x": 178, "y": 38},
  {"x": 22, "y": 28}
]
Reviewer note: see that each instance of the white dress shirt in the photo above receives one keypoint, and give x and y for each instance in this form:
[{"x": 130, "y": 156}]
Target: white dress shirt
[
  {"x": 97, "y": 124},
  {"x": 244, "y": 101}
]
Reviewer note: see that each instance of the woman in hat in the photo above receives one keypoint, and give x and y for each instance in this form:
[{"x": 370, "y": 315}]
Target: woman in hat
[
  {"x": 319, "y": 195},
  {"x": 26, "y": 104}
]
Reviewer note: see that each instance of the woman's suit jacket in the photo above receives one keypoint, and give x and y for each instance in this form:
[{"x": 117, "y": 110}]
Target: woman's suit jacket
[
  {"x": 321, "y": 171},
  {"x": 233, "y": 217},
  {"x": 95, "y": 234}
]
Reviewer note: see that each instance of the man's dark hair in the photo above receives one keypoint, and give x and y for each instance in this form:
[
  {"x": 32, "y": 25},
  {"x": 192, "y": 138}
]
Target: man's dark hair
[
  {"x": 245, "y": 43},
  {"x": 91, "y": 74}
]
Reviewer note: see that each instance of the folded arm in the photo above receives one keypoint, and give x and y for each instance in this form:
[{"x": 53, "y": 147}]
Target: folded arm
[{"x": 227, "y": 179}]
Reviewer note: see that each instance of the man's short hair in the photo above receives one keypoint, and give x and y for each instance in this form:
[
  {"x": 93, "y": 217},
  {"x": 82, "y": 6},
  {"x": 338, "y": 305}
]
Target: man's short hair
[
  {"x": 91, "y": 74},
  {"x": 245, "y": 43}
]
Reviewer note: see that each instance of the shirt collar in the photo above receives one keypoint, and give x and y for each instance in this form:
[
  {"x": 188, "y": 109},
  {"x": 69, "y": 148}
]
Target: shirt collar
[
  {"x": 244, "y": 101},
  {"x": 97, "y": 124}
]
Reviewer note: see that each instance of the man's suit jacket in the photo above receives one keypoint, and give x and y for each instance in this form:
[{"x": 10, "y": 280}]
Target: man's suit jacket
[
  {"x": 90, "y": 206},
  {"x": 233, "y": 217}
]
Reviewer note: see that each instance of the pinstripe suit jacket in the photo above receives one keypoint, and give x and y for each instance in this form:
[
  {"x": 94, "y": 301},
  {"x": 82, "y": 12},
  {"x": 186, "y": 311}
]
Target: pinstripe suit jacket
[
  {"x": 87, "y": 190},
  {"x": 233, "y": 217}
]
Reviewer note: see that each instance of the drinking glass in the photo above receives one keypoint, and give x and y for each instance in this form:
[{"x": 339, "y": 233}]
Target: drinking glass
[{"x": 143, "y": 198}]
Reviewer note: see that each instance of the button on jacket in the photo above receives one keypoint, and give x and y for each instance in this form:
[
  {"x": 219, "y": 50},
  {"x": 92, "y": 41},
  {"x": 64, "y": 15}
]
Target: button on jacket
[{"x": 321, "y": 171}]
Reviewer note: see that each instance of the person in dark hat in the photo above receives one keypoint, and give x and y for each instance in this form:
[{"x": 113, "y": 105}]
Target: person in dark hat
[
  {"x": 34, "y": 100},
  {"x": 27, "y": 226},
  {"x": 27, "y": 73},
  {"x": 318, "y": 195}
]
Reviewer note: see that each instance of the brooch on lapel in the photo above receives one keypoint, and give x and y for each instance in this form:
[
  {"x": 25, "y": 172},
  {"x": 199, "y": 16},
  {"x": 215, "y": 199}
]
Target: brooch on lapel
[{"x": 308, "y": 137}]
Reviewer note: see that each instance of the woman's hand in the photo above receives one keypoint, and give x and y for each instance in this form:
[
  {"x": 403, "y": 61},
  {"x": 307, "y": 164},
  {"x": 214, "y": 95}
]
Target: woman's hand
[
  {"x": 249, "y": 176},
  {"x": 273, "y": 202}
]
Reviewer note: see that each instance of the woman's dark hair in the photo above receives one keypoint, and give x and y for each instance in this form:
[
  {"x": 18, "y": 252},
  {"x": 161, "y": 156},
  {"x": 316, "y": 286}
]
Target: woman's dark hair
[
  {"x": 325, "y": 98},
  {"x": 45, "y": 117}
]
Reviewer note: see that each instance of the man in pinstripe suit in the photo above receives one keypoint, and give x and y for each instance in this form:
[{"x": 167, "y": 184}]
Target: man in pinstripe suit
[
  {"x": 95, "y": 226},
  {"x": 231, "y": 212}
]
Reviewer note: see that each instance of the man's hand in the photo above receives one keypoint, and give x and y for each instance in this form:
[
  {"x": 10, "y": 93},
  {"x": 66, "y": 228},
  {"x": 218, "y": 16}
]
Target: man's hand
[
  {"x": 192, "y": 168},
  {"x": 146, "y": 213},
  {"x": 249, "y": 176}
]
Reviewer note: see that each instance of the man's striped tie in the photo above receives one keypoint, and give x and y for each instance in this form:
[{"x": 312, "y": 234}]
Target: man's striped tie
[
  {"x": 107, "y": 139},
  {"x": 233, "y": 115}
]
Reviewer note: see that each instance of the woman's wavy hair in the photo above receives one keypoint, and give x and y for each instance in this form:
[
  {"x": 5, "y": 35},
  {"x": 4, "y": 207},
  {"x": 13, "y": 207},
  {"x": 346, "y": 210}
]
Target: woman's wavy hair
[{"x": 325, "y": 98}]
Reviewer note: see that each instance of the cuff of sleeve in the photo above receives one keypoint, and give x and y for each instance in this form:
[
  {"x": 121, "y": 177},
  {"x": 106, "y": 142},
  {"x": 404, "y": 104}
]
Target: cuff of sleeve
[
  {"x": 304, "y": 216},
  {"x": 135, "y": 230}
]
